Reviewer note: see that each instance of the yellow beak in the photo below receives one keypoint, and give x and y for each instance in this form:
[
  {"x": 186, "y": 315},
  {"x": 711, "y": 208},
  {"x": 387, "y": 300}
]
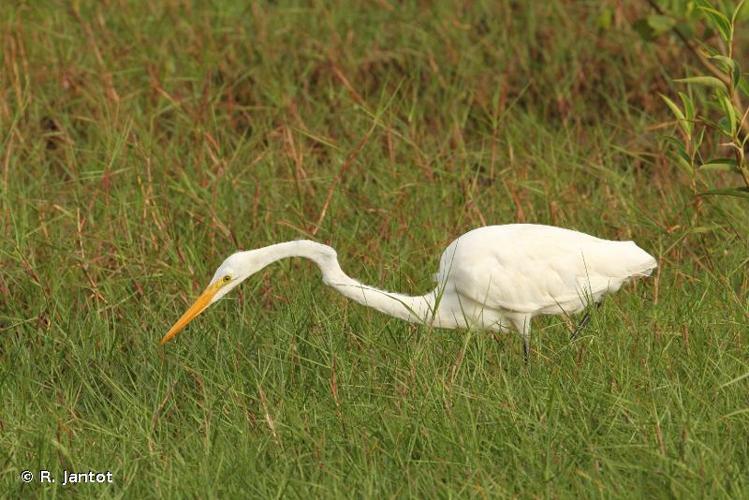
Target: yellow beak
[{"x": 200, "y": 305}]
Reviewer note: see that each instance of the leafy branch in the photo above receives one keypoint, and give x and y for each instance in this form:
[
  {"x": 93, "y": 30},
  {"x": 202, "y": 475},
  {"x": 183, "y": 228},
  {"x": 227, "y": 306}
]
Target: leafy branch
[{"x": 724, "y": 113}]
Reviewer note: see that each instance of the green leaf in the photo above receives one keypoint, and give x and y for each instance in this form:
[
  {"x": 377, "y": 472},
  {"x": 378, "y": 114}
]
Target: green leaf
[
  {"x": 724, "y": 126},
  {"x": 674, "y": 108},
  {"x": 674, "y": 142},
  {"x": 736, "y": 12},
  {"x": 682, "y": 154},
  {"x": 688, "y": 106},
  {"x": 708, "y": 81},
  {"x": 660, "y": 24},
  {"x": 700, "y": 3},
  {"x": 685, "y": 165},
  {"x": 679, "y": 154},
  {"x": 721, "y": 164},
  {"x": 729, "y": 66},
  {"x": 725, "y": 60},
  {"x": 744, "y": 86},
  {"x": 742, "y": 12},
  {"x": 718, "y": 21},
  {"x": 730, "y": 115},
  {"x": 682, "y": 160},
  {"x": 739, "y": 192},
  {"x": 698, "y": 139}
]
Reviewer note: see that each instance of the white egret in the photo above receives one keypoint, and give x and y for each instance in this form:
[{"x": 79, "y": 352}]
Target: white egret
[{"x": 490, "y": 278}]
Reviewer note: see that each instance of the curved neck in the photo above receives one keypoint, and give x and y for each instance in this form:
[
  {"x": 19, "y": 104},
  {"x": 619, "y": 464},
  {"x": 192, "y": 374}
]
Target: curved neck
[{"x": 419, "y": 309}]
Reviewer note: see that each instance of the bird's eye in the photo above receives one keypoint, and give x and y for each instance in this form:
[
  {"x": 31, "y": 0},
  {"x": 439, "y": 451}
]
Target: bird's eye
[{"x": 226, "y": 279}]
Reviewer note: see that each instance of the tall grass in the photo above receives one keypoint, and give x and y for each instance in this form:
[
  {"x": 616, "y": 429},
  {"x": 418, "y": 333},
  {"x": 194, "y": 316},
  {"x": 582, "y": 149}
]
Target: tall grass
[{"x": 141, "y": 144}]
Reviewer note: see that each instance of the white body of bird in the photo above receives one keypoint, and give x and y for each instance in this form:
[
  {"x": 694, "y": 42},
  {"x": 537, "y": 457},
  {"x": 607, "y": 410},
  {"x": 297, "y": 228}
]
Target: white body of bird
[{"x": 490, "y": 278}]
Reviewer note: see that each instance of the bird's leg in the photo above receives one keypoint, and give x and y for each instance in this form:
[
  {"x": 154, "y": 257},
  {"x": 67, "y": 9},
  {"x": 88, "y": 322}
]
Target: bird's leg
[
  {"x": 583, "y": 322},
  {"x": 523, "y": 326},
  {"x": 581, "y": 325}
]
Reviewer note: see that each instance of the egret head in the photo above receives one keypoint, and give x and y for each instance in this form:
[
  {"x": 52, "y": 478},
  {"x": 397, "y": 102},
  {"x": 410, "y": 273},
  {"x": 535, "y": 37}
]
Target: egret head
[{"x": 235, "y": 269}]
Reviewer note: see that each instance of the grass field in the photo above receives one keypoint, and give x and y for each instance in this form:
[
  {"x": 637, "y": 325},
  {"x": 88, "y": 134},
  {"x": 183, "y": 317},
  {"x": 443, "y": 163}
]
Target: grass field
[{"x": 141, "y": 144}]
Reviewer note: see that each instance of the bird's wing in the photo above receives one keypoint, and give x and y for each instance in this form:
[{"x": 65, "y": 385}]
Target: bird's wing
[
  {"x": 540, "y": 272},
  {"x": 528, "y": 286}
]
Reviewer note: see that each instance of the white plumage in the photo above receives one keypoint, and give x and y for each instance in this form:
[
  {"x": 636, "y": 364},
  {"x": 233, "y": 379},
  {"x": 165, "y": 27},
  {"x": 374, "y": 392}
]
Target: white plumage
[
  {"x": 499, "y": 274},
  {"x": 489, "y": 278},
  {"x": 536, "y": 269}
]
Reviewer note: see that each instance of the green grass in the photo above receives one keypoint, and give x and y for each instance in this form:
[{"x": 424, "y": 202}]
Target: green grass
[{"x": 142, "y": 144}]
